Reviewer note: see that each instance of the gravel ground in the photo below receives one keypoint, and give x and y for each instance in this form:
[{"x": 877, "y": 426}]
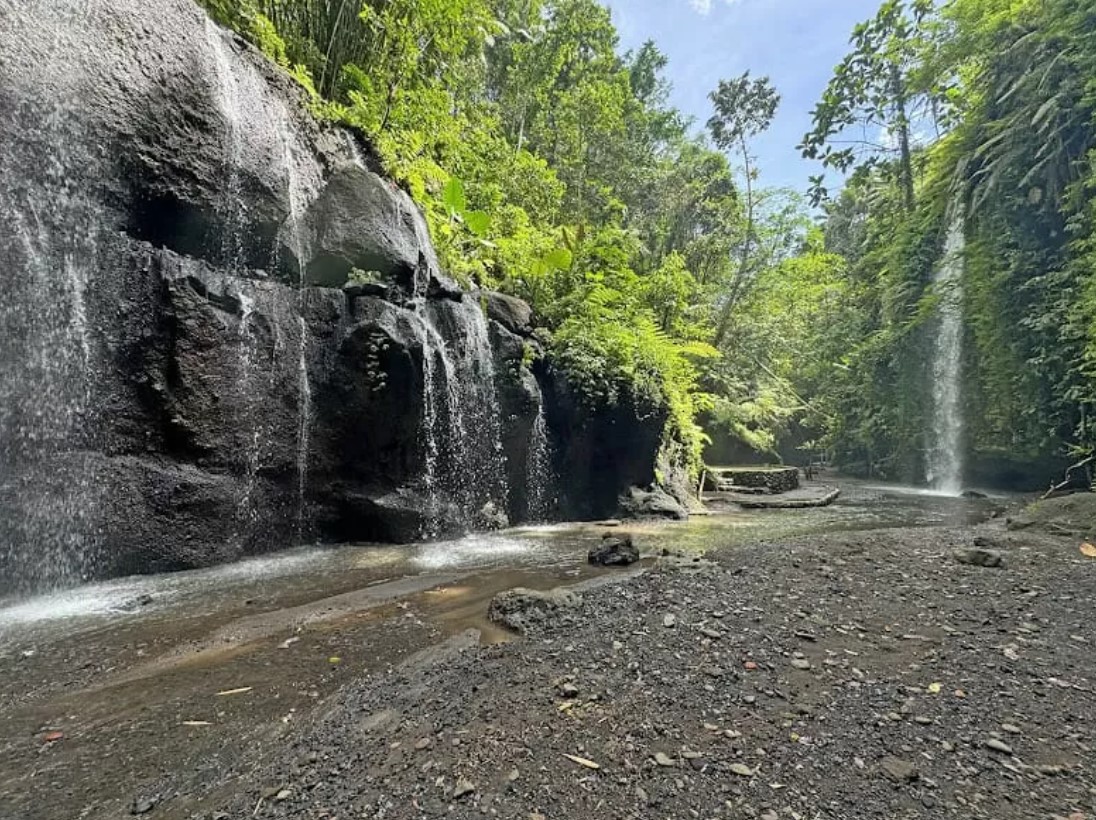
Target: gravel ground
[{"x": 866, "y": 675}]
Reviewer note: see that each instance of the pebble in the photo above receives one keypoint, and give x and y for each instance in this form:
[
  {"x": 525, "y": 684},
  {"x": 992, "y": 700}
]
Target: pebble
[
  {"x": 663, "y": 759},
  {"x": 463, "y": 788},
  {"x": 978, "y": 557},
  {"x": 568, "y": 690},
  {"x": 669, "y": 621},
  {"x": 998, "y": 746},
  {"x": 801, "y": 663},
  {"x": 1012, "y": 729}
]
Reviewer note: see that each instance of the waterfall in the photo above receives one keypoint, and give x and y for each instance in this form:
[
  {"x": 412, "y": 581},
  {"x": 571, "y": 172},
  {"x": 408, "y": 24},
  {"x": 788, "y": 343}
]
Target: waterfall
[
  {"x": 485, "y": 459},
  {"x": 540, "y": 475},
  {"x": 463, "y": 464},
  {"x": 49, "y": 248},
  {"x": 246, "y": 367},
  {"x": 296, "y": 198},
  {"x": 231, "y": 206},
  {"x": 945, "y": 456}
]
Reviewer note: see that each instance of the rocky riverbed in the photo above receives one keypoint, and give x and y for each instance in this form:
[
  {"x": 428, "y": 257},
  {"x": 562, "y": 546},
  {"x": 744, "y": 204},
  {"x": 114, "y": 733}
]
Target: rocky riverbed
[
  {"x": 932, "y": 669},
  {"x": 842, "y": 676}
]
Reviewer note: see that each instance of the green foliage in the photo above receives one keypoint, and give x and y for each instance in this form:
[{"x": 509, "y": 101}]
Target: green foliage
[
  {"x": 548, "y": 165},
  {"x": 1007, "y": 87}
]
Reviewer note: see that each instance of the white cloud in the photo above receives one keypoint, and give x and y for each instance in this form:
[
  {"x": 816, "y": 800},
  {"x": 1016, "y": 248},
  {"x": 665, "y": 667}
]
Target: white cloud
[{"x": 704, "y": 7}]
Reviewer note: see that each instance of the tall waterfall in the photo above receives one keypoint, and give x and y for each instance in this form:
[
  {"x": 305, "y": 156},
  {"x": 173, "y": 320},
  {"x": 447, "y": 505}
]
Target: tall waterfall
[
  {"x": 297, "y": 203},
  {"x": 49, "y": 239},
  {"x": 945, "y": 455}
]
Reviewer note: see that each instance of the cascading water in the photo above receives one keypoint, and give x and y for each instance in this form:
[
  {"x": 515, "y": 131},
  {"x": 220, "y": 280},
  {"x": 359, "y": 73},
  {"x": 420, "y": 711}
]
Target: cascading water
[
  {"x": 233, "y": 215},
  {"x": 540, "y": 474},
  {"x": 485, "y": 458},
  {"x": 232, "y": 208},
  {"x": 296, "y": 199},
  {"x": 945, "y": 456},
  {"x": 464, "y": 465},
  {"x": 49, "y": 247}
]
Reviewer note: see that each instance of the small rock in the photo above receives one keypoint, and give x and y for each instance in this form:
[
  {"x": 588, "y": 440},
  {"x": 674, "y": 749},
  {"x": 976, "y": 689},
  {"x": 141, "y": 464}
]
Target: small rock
[
  {"x": 144, "y": 600},
  {"x": 742, "y": 770},
  {"x": 463, "y": 788},
  {"x": 143, "y": 805},
  {"x": 898, "y": 770},
  {"x": 1010, "y": 728},
  {"x": 801, "y": 663},
  {"x": 284, "y": 794},
  {"x": 710, "y": 633},
  {"x": 979, "y": 557},
  {"x": 669, "y": 621},
  {"x": 998, "y": 746},
  {"x": 423, "y": 743},
  {"x": 663, "y": 759},
  {"x": 568, "y": 690}
]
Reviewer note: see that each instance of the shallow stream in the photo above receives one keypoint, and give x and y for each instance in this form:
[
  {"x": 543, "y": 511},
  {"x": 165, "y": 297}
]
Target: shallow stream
[{"x": 130, "y": 670}]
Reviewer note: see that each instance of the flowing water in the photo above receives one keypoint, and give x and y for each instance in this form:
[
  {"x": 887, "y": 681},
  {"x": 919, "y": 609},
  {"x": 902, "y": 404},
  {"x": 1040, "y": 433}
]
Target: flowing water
[
  {"x": 473, "y": 478},
  {"x": 232, "y": 205},
  {"x": 49, "y": 247},
  {"x": 540, "y": 474},
  {"x": 297, "y": 203},
  {"x": 134, "y": 665},
  {"x": 945, "y": 455}
]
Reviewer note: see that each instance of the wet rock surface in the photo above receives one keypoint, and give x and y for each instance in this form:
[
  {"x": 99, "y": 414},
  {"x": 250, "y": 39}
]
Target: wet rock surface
[
  {"x": 840, "y": 676},
  {"x": 615, "y": 549},
  {"x": 225, "y": 334}
]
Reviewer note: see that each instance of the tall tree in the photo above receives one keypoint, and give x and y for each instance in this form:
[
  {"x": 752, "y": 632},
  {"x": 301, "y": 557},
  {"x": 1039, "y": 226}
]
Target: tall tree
[
  {"x": 744, "y": 108},
  {"x": 877, "y": 88}
]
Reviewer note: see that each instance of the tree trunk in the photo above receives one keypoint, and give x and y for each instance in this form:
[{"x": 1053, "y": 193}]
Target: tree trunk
[
  {"x": 902, "y": 124},
  {"x": 744, "y": 259}
]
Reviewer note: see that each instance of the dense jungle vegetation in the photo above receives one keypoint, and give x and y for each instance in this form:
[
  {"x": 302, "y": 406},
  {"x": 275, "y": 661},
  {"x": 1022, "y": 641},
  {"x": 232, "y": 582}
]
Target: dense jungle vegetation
[{"x": 551, "y": 165}]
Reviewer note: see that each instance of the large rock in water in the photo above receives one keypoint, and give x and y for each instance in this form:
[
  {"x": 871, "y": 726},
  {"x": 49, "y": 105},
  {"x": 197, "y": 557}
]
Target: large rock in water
[{"x": 223, "y": 332}]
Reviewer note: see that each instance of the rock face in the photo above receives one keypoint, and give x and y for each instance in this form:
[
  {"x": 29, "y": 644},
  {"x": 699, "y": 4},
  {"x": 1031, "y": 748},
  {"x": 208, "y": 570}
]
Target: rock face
[{"x": 224, "y": 333}]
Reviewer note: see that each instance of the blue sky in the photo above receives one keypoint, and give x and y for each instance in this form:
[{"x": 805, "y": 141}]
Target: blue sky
[{"x": 796, "y": 42}]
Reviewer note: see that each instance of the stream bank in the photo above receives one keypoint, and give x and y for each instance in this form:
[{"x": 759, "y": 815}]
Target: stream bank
[{"x": 134, "y": 688}]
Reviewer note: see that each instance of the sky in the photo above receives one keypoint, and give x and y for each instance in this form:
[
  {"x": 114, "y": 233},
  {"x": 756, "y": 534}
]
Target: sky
[{"x": 796, "y": 43}]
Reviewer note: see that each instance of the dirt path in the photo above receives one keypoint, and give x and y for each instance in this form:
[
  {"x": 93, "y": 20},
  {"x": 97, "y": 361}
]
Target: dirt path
[{"x": 865, "y": 675}]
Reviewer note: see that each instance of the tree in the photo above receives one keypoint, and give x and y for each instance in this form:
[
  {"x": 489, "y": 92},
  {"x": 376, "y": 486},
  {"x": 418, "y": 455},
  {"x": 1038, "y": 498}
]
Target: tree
[
  {"x": 875, "y": 87},
  {"x": 744, "y": 108}
]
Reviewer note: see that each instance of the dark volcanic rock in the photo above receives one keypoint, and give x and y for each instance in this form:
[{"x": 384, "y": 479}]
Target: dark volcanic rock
[
  {"x": 652, "y": 503},
  {"x": 614, "y": 549},
  {"x": 524, "y": 609},
  {"x": 510, "y": 312},
  {"x": 223, "y": 333}
]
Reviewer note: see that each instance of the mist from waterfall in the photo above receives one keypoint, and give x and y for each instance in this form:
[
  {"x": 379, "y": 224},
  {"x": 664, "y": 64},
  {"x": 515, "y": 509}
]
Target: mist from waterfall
[{"x": 944, "y": 466}]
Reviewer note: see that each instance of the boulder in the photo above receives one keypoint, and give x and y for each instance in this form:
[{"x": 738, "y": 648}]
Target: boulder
[
  {"x": 360, "y": 221},
  {"x": 510, "y": 312},
  {"x": 651, "y": 503},
  {"x": 525, "y": 610},
  {"x": 614, "y": 550}
]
